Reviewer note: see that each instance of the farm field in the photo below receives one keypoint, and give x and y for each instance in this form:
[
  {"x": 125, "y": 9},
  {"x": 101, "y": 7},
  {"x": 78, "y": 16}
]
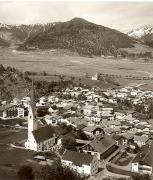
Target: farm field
[
  {"x": 64, "y": 64},
  {"x": 56, "y": 63}
]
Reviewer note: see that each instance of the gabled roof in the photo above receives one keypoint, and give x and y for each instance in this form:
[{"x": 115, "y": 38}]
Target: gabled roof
[
  {"x": 127, "y": 135},
  {"x": 102, "y": 144},
  {"x": 77, "y": 158},
  {"x": 91, "y": 128},
  {"x": 43, "y": 133},
  {"x": 141, "y": 138},
  {"x": 7, "y": 106},
  {"x": 81, "y": 126}
]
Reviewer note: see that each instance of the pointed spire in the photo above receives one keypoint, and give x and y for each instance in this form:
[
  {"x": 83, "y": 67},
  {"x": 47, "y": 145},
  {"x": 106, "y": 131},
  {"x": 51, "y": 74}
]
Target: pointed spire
[{"x": 33, "y": 97}]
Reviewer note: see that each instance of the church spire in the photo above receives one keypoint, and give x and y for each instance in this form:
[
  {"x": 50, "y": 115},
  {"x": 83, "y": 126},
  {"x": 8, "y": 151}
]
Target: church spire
[
  {"x": 32, "y": 121},
  {"x": 33, "y": 106}
]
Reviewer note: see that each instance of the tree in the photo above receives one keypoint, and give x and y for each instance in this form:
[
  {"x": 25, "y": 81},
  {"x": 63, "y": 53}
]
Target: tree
[
  {"x": 57, "y": 172},
  {"x": 150, "y": 110},
  {"x": 25, "y": 173},
  {"x": 68, "y": 142},
  {"x": 81, "y": 97}
]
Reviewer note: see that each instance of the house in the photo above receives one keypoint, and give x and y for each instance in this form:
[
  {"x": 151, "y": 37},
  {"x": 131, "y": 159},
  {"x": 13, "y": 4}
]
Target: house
[
  {"x": 16, "y": 101},
  {"x": 110, "y": 130},
  {"x": 11, "y": 111},
  {"x": 95, "y": 119},
  {"x": 107, "y": 113},
  {"x": 117, "y": 138},
  {"x": 25, "y": 101},
  {"x": 95, "y": 77},
  {"x": 143, "y": 162},
  {"x": 102, "y": 146},
  {"x": 43, "y": 100},
  {"x": 75, "y": 121},
  {"x": 52, "y": 120},
  {"x": 93, "y": 131},
  {"x": 127, "y": 138},
  {"x": 140, "y": 140},
  {"x": 82, "y": 163},
  {"x": 87, "y": 110},
  {"x": 53, "y": 99}
]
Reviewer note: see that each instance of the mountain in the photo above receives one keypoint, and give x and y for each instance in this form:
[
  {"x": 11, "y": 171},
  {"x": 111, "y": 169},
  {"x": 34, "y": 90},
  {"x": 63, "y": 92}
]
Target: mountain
[
  {"x": 77, "y": 35},
  {"x": 3, "y": 43},
  {"x": 145, "y": 34},
  {"x": 17, "y": 34},
  {"x": 81, "y": 36},
  {"x": 141, "y": 32}
]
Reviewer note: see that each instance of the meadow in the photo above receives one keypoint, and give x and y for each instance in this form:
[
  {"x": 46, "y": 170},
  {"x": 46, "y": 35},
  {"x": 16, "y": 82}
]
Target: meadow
[{"x": 56, "y": 63}]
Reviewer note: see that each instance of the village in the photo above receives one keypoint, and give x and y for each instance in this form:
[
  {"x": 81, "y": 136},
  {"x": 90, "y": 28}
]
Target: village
[{"x": 91, "y": 130}]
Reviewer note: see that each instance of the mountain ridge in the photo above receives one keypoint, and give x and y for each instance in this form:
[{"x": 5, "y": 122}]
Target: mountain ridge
[
  {"x": 82, "y": 36},
  {"x": 76, "y": 35},
  {"x": 144, "y": 34}
]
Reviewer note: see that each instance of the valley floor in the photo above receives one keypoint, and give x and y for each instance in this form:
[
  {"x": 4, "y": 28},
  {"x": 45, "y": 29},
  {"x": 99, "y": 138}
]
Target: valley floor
[{"x": 53, "y": 63}]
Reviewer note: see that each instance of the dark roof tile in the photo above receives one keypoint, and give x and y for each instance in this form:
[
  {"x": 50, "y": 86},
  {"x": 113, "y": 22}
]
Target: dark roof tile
[
  {"x": 77, "y": 158},
  {"x": 43, "y": 133}
]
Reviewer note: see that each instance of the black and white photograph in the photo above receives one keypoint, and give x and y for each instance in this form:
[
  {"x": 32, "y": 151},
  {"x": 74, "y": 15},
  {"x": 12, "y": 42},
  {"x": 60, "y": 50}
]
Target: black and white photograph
[{"x": 76, "y": 90}]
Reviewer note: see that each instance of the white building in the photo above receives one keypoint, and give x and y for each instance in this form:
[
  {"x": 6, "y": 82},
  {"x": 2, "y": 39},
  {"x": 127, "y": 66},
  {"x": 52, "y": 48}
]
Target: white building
[
  {"x": 95, "y": 77},
  {"x": 52, "y": 120},
  {"x": 83, "y": 163},
  {"x": 41, "y": 139},
  {"x": 9, "y": 111}
]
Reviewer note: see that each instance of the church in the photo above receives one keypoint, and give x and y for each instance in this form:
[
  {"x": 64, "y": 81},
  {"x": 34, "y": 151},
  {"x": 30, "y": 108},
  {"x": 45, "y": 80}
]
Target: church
[{"x": 39, "y": 139}]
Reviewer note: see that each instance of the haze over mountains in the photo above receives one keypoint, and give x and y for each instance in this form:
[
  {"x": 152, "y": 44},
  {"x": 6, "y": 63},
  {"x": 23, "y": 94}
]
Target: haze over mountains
[{"x": 78, "y": 35}]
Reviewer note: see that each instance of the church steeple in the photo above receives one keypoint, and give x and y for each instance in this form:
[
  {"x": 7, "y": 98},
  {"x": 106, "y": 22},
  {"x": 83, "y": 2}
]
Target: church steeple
[
  {"x": 32, "y": 102},
  {"x": 32, "y": 121}
]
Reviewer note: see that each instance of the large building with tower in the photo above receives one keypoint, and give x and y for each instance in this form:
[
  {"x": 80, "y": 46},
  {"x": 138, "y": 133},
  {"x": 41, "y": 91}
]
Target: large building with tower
[{"x": 39, "y": 139}]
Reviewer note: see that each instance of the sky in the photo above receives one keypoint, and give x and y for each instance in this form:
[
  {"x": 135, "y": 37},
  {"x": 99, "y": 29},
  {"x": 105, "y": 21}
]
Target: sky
[{"x": 120, "y": 15}]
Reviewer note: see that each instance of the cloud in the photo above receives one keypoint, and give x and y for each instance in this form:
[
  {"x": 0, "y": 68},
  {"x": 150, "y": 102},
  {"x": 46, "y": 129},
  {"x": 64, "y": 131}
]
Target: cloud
[{"x": 118, "y": 15}]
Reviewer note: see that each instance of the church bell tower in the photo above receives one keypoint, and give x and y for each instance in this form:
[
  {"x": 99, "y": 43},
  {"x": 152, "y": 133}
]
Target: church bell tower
[{"x": 32, "y": 121}]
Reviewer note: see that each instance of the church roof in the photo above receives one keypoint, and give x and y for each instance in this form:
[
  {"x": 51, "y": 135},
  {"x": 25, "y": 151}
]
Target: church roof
[{"x": 43, "y": 133}]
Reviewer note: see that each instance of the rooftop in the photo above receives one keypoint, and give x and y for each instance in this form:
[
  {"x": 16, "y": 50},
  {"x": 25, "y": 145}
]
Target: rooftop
[
  {"x": 77, "y": 158},
  {"x": 7, "y": 106},
  {"x": 43, "y": 133},
  {"x": 103, "y": 143}
]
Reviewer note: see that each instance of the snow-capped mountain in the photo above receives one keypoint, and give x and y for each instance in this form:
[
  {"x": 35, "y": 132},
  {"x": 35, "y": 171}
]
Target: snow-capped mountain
[
  {"x": 14, "y": 34},
  {"x": 141, "y": 32},
  {"x": 2, "y": 25}
]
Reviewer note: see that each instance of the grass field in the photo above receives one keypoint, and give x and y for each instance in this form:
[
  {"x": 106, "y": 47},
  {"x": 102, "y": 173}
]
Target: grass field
[
  {"x": 10, "y": 158},
  {"x": 52, "y": 63}
]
